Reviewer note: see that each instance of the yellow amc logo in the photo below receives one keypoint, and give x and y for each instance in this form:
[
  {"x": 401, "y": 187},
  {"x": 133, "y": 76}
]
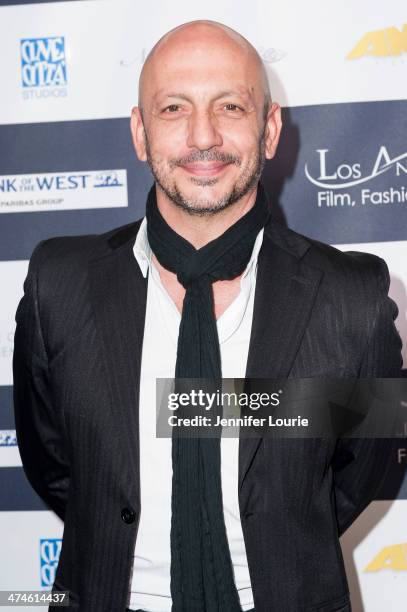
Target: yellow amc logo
[
  {"x": 391, "y": 557},
  {"x": 381, "y": 43}
]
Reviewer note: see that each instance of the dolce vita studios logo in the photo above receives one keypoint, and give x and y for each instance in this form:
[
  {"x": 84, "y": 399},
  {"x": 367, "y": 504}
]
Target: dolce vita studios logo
[
  {"x": 43, "y": 67},
  {"x": 347, "y": 184}
]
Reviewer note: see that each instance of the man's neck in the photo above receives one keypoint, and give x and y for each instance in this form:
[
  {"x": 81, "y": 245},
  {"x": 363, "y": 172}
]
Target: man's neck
[{"x": 197, "y": 229}]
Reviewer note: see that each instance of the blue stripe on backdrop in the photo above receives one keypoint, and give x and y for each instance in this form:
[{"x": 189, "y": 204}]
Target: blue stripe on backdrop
[
  {"x": 12, "y": 2},
  {"x": 17, "y": 494},
  {"x": 68, "y": 147},
  {"x": 335, "y": 168},
  {"x": 16, "y": 491},
  {"x": 339, "y": 174},
  {"x": 6, "y": 408}
]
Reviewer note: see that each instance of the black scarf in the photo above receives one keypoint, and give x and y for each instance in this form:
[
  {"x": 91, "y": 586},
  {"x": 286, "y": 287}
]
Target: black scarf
[{"x": 202, "y": 577}]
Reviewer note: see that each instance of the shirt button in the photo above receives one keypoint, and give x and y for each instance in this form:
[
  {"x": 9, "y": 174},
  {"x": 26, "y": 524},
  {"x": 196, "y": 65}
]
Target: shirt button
[{"x": 128, "y": 515}]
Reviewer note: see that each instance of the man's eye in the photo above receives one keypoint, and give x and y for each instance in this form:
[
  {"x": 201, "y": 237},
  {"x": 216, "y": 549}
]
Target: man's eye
[
  {"x": 233, "y": 107},
  {"x": 172, "y": 108}
]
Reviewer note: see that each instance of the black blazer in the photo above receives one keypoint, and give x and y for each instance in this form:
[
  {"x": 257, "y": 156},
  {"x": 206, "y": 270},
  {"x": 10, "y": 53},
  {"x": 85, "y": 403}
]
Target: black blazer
[{"x": 317, "y": 312}]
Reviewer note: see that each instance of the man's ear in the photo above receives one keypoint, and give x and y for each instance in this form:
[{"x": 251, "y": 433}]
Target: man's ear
[
  {"x": 273, "y": 130},
  {"x": 138, "y": 134}
]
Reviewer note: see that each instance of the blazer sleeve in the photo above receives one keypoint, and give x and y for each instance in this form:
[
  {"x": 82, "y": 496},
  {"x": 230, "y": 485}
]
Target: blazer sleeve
[
  {"x": 361, "y": 465},
  {"x": 39, "y": 426}
]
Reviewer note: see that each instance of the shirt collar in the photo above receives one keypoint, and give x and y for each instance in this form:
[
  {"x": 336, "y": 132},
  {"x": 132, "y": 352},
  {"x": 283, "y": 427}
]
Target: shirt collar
[{"x": 142, "y": 250}]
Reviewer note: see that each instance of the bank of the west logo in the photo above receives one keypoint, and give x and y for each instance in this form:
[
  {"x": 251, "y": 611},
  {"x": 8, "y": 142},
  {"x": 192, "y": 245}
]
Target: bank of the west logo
[
  {"x": 333, "y": 178},
  {"x": 43, "y": 67},
  {"x": 9, "y": 453},
  {"x": 390, "y": 558},
  {"x": 49, "y": 556},
  {"x": 8, "y": 437},
  {"x": 63, "y": 190},
  {"x": 389, "y": 42}
]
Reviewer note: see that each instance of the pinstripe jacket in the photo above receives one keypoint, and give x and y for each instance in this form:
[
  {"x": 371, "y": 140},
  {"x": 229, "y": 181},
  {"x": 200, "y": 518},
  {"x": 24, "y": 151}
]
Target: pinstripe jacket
[{"x": 78, "y": 342}]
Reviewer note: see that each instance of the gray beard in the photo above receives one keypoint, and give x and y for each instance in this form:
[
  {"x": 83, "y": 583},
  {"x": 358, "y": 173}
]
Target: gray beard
[{"x": 205, "y": 208}]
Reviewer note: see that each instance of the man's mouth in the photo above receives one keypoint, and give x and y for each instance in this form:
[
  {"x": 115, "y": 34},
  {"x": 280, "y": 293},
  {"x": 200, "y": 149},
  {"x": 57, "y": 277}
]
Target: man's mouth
[{"x": 205, "y": 168}]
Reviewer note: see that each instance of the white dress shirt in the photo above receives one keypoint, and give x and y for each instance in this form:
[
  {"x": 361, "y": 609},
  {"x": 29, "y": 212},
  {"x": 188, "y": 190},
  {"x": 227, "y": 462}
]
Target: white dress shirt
[{"x": 150, "y": 582}]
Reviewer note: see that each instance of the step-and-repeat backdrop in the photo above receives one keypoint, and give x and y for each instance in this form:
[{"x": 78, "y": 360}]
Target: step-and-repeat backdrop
[{"x": 69, "y": 73}]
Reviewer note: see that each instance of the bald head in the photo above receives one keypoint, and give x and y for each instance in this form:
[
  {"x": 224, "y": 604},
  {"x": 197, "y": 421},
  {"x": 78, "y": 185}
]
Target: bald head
[
  {"x": 203, "y": 37},
  {"x": 205, "y": 122}
]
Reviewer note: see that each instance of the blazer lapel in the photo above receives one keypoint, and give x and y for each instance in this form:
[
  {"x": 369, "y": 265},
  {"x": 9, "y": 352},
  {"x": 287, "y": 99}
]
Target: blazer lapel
[
  {"x": 119, "y": 293},
  {"x": 285, "y": 293}
]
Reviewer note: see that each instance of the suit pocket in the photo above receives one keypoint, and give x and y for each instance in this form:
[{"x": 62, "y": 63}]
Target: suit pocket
[{"x": 340, "y": 604}]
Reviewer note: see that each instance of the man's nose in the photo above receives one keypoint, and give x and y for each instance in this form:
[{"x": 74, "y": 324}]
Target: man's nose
[{"x": 202, "y": 131}]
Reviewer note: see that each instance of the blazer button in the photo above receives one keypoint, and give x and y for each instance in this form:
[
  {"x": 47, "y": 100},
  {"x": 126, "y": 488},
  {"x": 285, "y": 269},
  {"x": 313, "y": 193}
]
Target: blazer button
[{"x": 128, "y": 515}]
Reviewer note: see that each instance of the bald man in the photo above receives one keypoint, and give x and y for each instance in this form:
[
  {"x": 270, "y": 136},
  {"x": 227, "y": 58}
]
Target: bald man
[{"x": 206, "y": 285}]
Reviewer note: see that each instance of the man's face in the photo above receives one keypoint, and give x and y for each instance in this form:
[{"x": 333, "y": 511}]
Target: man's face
[{"x": 204, "y": 129}]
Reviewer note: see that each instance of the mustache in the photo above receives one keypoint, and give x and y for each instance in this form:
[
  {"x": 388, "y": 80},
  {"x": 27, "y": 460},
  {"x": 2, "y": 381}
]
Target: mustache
[{"x": 205, "y": 156}]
